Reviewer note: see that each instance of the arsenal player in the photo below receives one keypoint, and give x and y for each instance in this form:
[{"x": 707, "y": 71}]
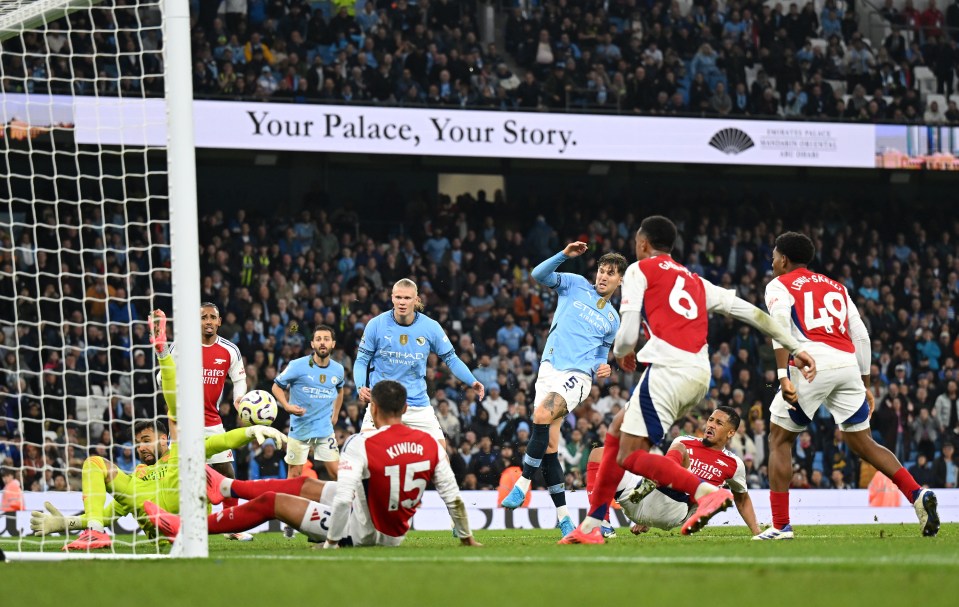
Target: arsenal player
[
  {"x": 819, "y": 313},
  {"x": 649, "y": 506},
  {"x": 221, "y": 359}
]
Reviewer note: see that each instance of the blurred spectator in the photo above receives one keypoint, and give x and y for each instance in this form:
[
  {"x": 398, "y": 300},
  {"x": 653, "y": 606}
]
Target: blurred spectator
[
  {"x": 945, "y": 469},
  {"x": 267, "y": 462}
]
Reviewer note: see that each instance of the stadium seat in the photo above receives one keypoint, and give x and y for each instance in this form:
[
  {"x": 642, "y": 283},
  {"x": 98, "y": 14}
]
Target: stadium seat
[{"x": 925, "y": 79}]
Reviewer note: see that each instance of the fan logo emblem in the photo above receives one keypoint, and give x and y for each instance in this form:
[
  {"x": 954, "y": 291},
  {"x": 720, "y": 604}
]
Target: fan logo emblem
[{"x": 731, "y": 141}]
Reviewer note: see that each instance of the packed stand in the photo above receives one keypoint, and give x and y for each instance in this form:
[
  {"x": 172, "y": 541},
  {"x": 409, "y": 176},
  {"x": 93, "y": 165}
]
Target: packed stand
[
  {"x": 274, "y": 279},
  {"x": 739, "y": 58}
]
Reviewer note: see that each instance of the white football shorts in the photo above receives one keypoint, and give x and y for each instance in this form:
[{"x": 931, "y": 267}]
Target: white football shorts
[
  {"x": 223, "y": 456},
  {"x": 324, "y": 450},
  {"x": 573, "y": 386},
  {"x": 664, "y": 395},
  {"x": 840, "y": 390},
  {"x": 421, "y": 418}
]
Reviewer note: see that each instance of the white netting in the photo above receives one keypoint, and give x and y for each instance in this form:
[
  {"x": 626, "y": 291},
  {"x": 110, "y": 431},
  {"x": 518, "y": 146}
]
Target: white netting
[{"x": 83, "y": 247}]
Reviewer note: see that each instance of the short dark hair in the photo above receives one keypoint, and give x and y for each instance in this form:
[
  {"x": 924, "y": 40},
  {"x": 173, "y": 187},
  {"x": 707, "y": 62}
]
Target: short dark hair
[
  {"x": 616, "y": 260},
  {"x": 210, "y": 304},
  {"x": 389, "y": 396},
  {"x": 733, "y": 415},
  {"x": 660, "y": 231},
  {"x": 158, "y": 426},
  {"x": 324, "y": 328},
  {"x": 798, "y": 248}
]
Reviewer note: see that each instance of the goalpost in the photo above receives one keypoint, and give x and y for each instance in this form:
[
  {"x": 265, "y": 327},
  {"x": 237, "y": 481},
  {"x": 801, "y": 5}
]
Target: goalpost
[{"x": 98, "y": 226}]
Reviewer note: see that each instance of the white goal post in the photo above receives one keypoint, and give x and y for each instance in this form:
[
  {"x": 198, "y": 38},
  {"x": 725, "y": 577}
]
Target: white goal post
[{"x": 92, "y": 237}]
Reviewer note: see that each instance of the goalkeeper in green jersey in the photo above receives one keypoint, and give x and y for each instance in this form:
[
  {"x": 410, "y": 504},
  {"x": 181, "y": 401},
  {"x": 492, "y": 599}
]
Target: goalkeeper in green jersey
[{"x": 156, "y": 479}]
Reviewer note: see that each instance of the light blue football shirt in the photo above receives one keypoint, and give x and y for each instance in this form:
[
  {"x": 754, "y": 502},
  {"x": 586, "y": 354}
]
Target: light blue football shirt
[
  {"x": 399, "y": 352},
  {"x": 315, "y": 389},
  {"x": 584, "y": 324}
]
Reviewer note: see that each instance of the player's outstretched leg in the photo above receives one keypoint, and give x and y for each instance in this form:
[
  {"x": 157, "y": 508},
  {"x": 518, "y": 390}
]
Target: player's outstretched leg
[{"x": 219, "y": 487}]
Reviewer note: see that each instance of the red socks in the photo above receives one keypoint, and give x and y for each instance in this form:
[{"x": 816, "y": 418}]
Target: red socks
[
  {"x": 607, "y": 479},
  {"x": 592, "y": 470},
  {"x": 676, "y": 456},
  {"x": 250, "y": 489},
  {"x": 241, "y": 518},
  {"x": 779, "y": 502},
  {"x": 663, "y": 470},
  {"x": 907, "y": 484},
  {"x": 230, "y": 502}
]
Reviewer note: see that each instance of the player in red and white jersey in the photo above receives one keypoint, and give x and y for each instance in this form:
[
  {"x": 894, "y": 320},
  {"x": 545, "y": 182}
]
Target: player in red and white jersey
[
  {"x": 221, "y": 359},
  {"x": 671, "y": 304},
  {"x": 664, "y": 508},
  {"x": 383, "y": 474},
  {"x": 820, "y": 314}
]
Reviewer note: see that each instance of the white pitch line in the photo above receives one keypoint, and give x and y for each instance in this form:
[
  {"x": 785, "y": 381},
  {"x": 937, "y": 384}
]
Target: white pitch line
[{"x": 580, "y": 558}]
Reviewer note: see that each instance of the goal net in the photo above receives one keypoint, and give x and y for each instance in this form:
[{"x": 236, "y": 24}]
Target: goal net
[{"x": 91, "y": 156}]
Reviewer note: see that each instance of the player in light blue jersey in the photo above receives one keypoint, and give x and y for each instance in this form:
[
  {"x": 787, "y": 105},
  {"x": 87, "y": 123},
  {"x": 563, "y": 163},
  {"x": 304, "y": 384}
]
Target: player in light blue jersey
[
  {"x": 310, "y": 389},
  {"x": 577, "y": 349},
  {"x": 395, "y": 345}
]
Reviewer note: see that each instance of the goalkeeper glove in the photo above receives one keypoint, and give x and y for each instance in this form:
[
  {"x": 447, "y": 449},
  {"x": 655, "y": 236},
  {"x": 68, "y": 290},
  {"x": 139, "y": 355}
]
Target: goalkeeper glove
[
  {"x": 261, "y": 433},
  {"x": 53, "y": 521}
]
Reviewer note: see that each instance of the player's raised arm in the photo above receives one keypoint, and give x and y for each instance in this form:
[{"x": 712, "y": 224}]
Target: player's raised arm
[
  {"x": 445, "y": 483},
  {"x": 726, "y": 302},
  {"x": 545, "y": 273},
  {"x": 349, "y": 478}
]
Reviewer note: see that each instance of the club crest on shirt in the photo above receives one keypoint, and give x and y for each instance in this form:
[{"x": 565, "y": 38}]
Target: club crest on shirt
[
  {"x": 404, "y": 339},
  {"x": 610, "y": 316},
  {"x": 420, "y": 341},
  {"x": 219, "y": 361},
  {"x": 322, "y": 378},
  {"x": 601, "y": 303},
  {"x": 335, "y": 380}
]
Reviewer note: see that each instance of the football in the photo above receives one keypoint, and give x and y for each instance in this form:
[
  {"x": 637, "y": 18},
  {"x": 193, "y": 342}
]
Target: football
[{"x": 257, "y": 407}]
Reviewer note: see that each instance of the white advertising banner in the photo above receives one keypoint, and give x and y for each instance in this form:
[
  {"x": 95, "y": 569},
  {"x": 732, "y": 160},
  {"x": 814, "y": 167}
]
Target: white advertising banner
[
  {"x": 438, "y": 132},
  {"x": 808, "y": 507}
]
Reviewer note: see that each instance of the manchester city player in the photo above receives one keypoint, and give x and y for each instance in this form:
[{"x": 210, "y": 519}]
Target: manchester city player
[
  {"x": 584, "y": 327},
  {"x": 396, "y": 345},
  {"x": 310, "y": 389}
]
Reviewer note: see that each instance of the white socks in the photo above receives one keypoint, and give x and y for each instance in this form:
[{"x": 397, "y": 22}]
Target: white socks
[{"x": 703, "y": 490}]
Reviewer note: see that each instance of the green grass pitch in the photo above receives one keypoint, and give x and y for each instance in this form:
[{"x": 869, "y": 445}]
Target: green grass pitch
[{"x": 827, "y": 565}]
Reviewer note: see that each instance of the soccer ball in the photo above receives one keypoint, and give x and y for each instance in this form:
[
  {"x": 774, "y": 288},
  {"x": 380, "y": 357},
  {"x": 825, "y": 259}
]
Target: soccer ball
[{"x": 257, "y": 407}]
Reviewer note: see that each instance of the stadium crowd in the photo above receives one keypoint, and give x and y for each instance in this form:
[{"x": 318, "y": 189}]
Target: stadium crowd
[
  {"x": 741, "y": 58},
  {"x": 78, "y": 368}
]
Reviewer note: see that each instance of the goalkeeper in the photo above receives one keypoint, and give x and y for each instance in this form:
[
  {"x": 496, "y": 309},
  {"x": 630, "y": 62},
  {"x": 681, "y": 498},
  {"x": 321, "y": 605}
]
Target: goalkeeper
[{"x": 156, "y": 479}]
